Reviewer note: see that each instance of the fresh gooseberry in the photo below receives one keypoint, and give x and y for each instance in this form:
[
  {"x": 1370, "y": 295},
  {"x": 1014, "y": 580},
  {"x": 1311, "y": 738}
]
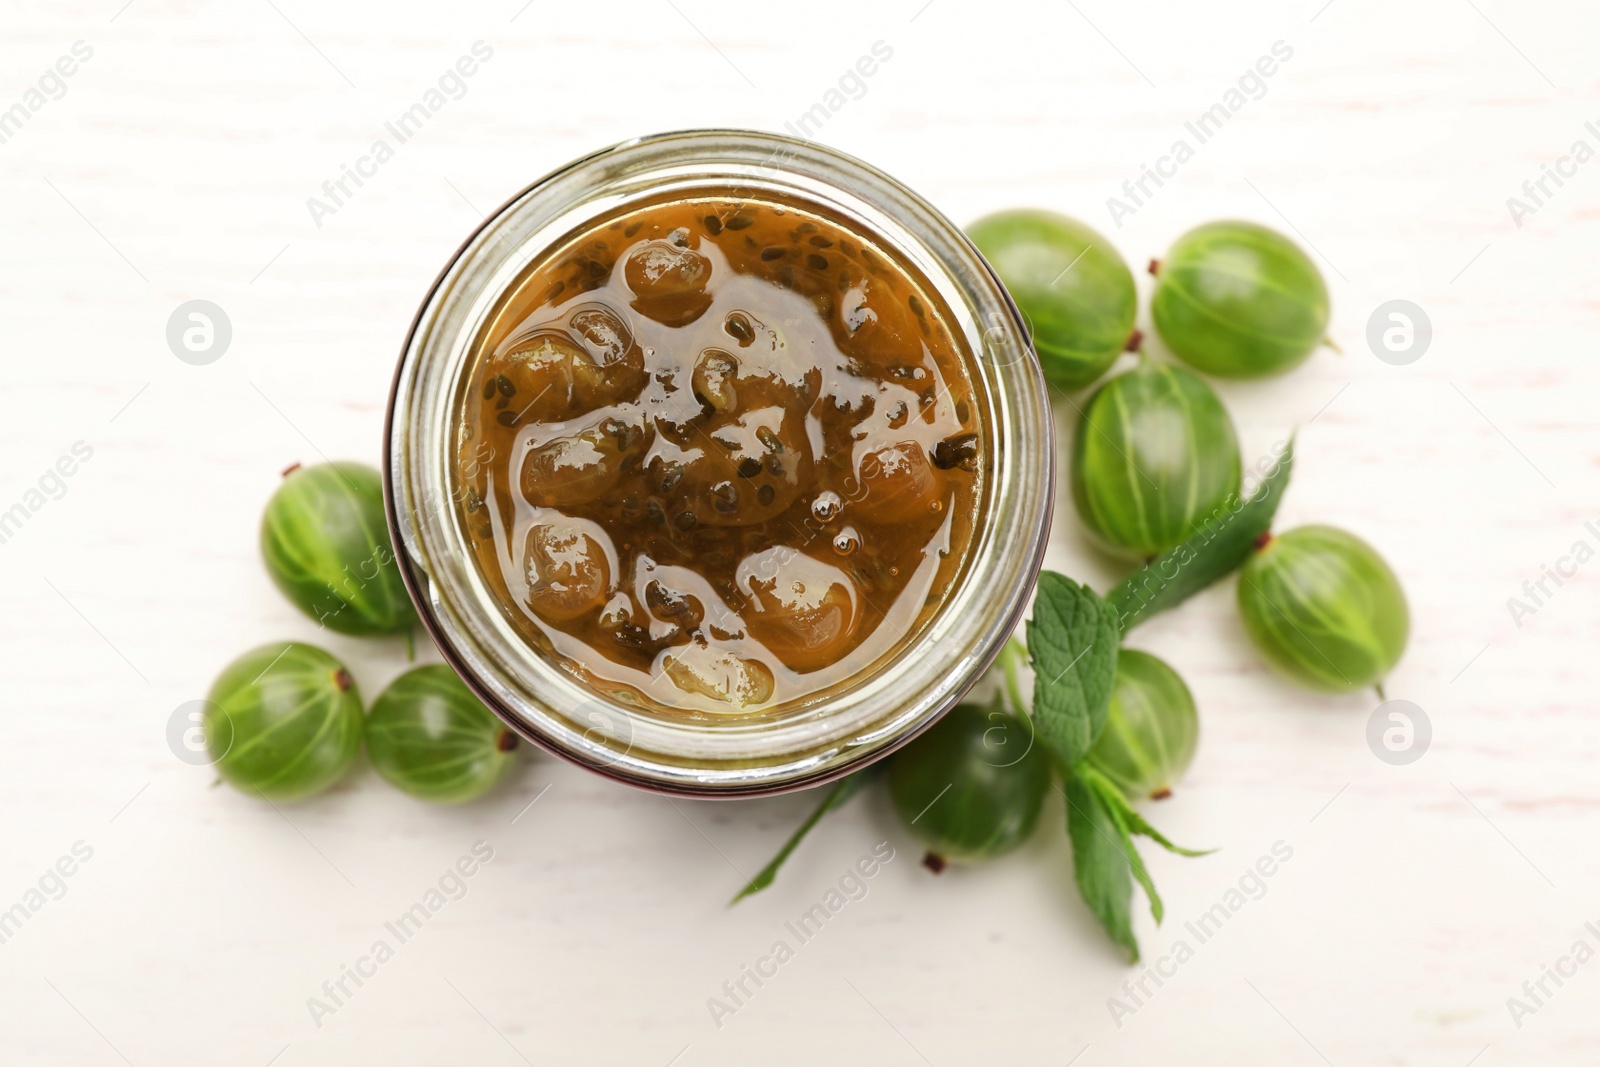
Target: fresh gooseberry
[
  {"x": 327, "y": 547},
  {"x": 1151, "y": 728},
  {"x": 971, "y": 787},
  {"x": 283, "y": 721},
  {"x": 1070, "y": 283},
  {"x": 1324, "y": 606},
  {"x": 1154, "y": 459},
  {"x": 429, "y": 736},
  {"x": 1239, "y": 300}
]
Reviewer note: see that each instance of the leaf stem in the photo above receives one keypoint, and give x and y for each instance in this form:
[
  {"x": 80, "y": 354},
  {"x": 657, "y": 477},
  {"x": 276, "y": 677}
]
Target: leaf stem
[
  {"x": 836, "y": 797},
  {"x": 1011, "y": 658}
]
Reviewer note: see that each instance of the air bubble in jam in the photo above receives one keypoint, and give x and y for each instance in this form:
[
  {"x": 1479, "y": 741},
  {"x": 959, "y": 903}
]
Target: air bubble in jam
[{"x": 728, "y": 442}]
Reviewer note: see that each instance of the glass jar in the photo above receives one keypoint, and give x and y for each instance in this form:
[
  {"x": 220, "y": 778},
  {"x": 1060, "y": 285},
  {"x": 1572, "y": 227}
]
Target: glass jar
[{"x": 789, "y": 747}]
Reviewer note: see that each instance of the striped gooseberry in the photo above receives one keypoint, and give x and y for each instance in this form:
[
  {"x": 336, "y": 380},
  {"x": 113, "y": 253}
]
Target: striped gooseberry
[
  {"x": 971, "y": 787},
  {"x": 283, "y": 721},
  {"x": 326, "y": 546},
  {"x": 1154, "y": 459},
  {"x": 1070, "y": 283},
  {"x": 1239, "y": 300},
  {"x": 1151, "y": 728},
  {"x": 429, "y": 736},
  {"x": 1323, "y": 606}
]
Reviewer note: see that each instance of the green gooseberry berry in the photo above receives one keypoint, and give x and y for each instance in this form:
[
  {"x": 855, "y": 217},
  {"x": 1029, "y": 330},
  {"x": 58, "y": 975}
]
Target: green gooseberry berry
[
  {"x": 971, "y": 787},
  {"x": 1239, "y": 300},
  {"x": 283, "y": 721},
  {"x": 1151, "y": 728},
  {"x": 429, "y": 736},
  {"x": 1070, "y": 283},
  {"x": 327, "y": 547},
  {"x": 1325, "y": 608},
  {"x": 1154, "y": 459}
]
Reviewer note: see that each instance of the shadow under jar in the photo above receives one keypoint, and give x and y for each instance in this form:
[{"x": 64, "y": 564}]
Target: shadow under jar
[{"x": 718, "y": 462}]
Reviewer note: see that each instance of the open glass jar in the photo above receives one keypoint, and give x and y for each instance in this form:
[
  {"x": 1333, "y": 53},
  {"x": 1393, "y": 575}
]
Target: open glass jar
[{"x": 797, "y": 727}]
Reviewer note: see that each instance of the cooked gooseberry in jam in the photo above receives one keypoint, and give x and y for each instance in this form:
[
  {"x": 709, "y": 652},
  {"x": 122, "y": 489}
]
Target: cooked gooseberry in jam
[{"x": 720, "y": 454}]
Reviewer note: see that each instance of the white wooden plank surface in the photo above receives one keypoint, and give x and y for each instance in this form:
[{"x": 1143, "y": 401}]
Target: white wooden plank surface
[{"x": 177, "y": 165}]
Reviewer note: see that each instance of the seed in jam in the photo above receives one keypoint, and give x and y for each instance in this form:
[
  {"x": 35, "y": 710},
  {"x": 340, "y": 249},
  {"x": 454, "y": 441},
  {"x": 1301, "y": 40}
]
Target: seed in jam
[{"x": 731, "y": 462}]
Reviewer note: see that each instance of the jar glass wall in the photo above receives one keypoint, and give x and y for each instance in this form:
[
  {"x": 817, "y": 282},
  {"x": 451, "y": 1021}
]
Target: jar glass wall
[{"x": 793, "y": 744}]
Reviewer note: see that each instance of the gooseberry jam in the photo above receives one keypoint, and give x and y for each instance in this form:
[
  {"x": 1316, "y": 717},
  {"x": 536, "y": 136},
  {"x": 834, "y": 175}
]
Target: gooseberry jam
[{"x": 719, "y": 453}]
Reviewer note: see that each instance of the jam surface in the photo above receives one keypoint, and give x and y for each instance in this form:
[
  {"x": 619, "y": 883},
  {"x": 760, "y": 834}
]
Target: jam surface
[{"x": 718, "y": 455}]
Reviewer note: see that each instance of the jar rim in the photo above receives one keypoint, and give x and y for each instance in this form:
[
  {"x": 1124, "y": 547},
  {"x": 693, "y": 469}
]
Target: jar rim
[{"x": 890, "y": 702}]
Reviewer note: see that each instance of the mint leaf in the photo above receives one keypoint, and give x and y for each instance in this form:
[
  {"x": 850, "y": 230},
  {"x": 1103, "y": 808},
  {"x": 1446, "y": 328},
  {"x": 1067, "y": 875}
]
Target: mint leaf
[
  {"x": 1073, "y": 639},
  {"x": 1214, "y": 552},
  {"x": 1127, "y": 814},
  {"x": 1102, "y": 825},
  {"x": 1100, "y": 863},
  {"x": 836, "y": 797},
  {"x": 1117, "y": 808},
  {"x": 1136, "y": 824}
]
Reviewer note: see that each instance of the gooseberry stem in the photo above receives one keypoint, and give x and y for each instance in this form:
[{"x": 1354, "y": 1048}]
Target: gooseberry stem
[
  {"x": 411, "y": 646},
  {"x": 1011, "y": 658},
  {"x": 1379, "y": 687},
  {"x": 1331, "y": 344}
]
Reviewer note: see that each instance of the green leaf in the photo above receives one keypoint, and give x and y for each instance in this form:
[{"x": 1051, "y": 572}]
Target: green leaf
[
  {"x": 1128, "y": 815},
  {"x": 1073, "y": 639},
  {"x": 1119, "y": 811},
  {"x": 1137, "y": 824},
  {"x": 1213, "y": 553},
  {"x": 837, "y": 796},
  {"x": 1100, "y": 863},
  {"x": 1102, "y": 825}
]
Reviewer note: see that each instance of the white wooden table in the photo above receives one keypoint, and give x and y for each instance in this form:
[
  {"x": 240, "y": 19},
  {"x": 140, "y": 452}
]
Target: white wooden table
[{"x": 177, "y": 164}]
